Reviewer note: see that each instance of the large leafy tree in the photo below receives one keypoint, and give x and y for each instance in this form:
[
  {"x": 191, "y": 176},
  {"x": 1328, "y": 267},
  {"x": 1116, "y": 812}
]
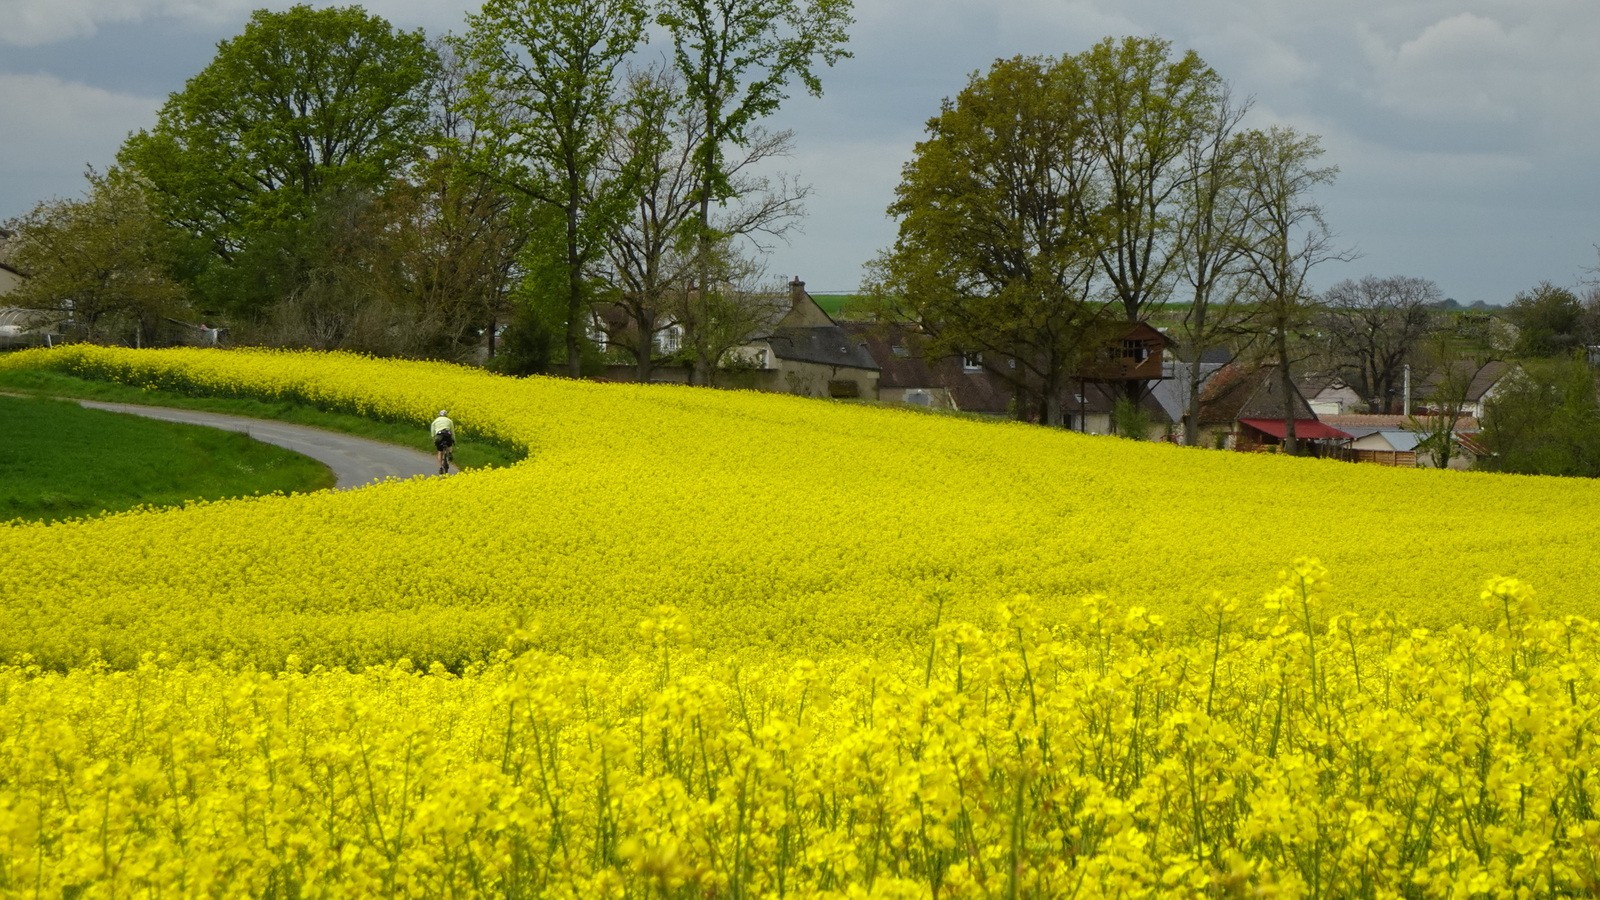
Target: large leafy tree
[
  {"x": 1550, "y": 320},
  {"x": 106, "y": 261},
  {"x": 303, "y": 105},
  {"x": 544, "y": 81},
  {"x": 990, "y": 256},
  {"x": 737, "y": 59},
  {"x": 1213, "y": 213}
]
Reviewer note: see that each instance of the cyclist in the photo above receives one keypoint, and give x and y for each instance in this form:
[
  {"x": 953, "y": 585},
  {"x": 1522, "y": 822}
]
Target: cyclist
[{"x": 444, "y": 437}]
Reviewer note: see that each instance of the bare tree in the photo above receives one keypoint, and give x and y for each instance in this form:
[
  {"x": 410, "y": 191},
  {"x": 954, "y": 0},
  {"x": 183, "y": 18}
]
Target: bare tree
[
  {"x": 1287, "y": 238},
  {"x": 721, "y": 316},
  {"x": 1373, "y": 327},
  {"x": 655, "y": 251},
  {"x": 1215, "y": 212}
]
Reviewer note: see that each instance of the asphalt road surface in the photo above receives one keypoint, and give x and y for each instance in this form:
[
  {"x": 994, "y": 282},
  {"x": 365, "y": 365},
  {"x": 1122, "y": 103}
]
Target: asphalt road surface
[{"x": 355, "y": 461}]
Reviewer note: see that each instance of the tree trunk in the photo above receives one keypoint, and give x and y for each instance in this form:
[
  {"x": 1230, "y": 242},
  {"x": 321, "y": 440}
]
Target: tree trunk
[
  {"x": 1052, "y": 407},
  {"x": 1191, "y": 403},
  {"x": 575, "y": 321},
  {"x": 1286, "y": 383}
]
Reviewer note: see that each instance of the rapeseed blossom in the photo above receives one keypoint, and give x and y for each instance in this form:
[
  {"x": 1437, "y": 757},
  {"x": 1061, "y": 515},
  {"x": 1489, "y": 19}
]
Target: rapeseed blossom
[{"x": 717, "y": 643}]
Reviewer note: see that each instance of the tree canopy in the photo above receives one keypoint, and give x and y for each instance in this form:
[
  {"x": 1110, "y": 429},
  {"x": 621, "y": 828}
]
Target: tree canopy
[
  {"x": 304, "y": 104},
  {"x": 991, "y": 256},
  {"x": 107, "y": 262}
]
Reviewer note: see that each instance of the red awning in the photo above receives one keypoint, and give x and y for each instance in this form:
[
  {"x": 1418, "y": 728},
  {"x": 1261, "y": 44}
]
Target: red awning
[{"x": 1304, "y": 429}]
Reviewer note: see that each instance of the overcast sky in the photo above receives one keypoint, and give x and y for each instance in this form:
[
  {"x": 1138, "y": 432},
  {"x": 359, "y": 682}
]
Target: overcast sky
[{"x": 1466, "y": 132}]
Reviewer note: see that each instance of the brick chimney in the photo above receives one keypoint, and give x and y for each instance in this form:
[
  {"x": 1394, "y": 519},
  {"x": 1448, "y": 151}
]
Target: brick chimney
[{"x": 797, "y": 292}]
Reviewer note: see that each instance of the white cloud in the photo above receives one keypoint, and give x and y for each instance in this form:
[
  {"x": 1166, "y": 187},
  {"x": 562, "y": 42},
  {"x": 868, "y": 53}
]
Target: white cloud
[
  {"x": 54, "y": 129},
  {"x": 30, "y": 23},
  {"x": 1528, "y": 65}
]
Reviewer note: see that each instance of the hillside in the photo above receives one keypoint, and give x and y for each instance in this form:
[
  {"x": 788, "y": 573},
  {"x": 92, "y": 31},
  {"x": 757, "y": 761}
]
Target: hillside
[{"x": 801, "y": 526}]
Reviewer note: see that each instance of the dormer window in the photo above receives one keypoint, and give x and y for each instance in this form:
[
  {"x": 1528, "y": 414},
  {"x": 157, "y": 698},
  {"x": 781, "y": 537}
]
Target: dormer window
[{"x": 972, "y": 361}]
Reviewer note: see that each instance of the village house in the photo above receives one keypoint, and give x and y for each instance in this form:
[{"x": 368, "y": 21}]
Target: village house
[
  {"x": 982, "y": 383},
  {"x": 1172, "y": 392},
  {"x": 801, "y": 351},
  {"x": 1482, "y": 381},
  {"x": 1392, "y": 440},
  {"x": 1329, "y": 395},
  {"x": 808, "y": 354},
  {"x": 1243, "y": 408}
]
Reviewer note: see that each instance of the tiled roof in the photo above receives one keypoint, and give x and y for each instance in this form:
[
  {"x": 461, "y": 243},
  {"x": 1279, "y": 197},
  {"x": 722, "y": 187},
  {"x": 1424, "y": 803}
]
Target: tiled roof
[
  {"x": 1248, "y": 392},
  {"x": 828, "y": 345}
]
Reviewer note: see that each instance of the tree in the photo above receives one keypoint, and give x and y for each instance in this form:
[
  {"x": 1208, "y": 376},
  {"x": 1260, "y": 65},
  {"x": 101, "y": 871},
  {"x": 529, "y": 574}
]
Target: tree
[
  {"x": 1214, "y": 213},
  {"x": 1373, "y": 327},
  {"x": 303, "y": 105},
  {"x": 1544, "y": 420},
  {"x": 1287, "y": 238},
  {"x": 655, "y": 251},
  {"x": 466, "y": 230},
  {"x": 723, "y": 315},
  {"x": 106, "y": 261},
  {"x": 1549, "y": 321},
  {"x": 991, "y": 257},
  {"x": 1142, "y": 113},
  {"x": 544, "y": 81},
  {"x": 737, "y": 59},
  {"x": 1453, "y": 368}
]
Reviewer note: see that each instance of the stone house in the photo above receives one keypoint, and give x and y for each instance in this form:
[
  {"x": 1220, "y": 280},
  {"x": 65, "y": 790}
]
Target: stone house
[{"x": 805, "y": 353}]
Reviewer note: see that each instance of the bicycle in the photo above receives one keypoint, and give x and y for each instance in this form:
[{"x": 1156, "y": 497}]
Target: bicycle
[{"x": 447, "y": 455}]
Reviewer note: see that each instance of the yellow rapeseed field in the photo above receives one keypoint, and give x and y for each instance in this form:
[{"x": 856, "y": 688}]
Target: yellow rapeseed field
[{"x": 712, "y": 643}]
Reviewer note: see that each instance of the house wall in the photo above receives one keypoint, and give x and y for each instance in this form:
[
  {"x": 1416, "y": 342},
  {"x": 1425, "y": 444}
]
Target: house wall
[
  {"x": 1216, "y": 437},
  {"x": 806, "y": 379},
  {"x": 935, "y": 398},
  {"x": 1374, "y": 441},
  {"x": 9, "y": 281},
  {"x": 1337, "y": 402}
]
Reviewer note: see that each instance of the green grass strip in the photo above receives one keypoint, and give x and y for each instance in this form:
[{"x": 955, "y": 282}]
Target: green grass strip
[
  {"x": 62, "y": 461},
  {"x": 469, "y": 454}
]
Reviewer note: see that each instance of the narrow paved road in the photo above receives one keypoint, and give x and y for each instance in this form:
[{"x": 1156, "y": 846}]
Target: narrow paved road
[{"x": 355, "y": 461}]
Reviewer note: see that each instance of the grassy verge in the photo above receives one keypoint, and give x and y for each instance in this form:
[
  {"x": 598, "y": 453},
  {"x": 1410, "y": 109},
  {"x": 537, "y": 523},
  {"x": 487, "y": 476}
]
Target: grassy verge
[
  {"x": 469, "y": 454},
  {"x": 63, "y": 461}
]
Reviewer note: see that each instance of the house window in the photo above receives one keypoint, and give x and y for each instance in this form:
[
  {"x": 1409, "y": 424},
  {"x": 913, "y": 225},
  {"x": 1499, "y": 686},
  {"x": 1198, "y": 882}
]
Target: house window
[
  {"x": 597, "y": 331},
  {"x": 1134, "y": 350},
  {"x": 901, "y": 350},
  {"x": 669, "y": 339},
  {"x": 972, "y": 361}
]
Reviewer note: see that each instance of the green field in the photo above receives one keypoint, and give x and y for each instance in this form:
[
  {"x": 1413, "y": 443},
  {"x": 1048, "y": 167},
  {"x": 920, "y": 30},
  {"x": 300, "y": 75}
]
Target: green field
[
  {"x": 469, "y": 454},
  {"x": 62, "y": 461}
]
